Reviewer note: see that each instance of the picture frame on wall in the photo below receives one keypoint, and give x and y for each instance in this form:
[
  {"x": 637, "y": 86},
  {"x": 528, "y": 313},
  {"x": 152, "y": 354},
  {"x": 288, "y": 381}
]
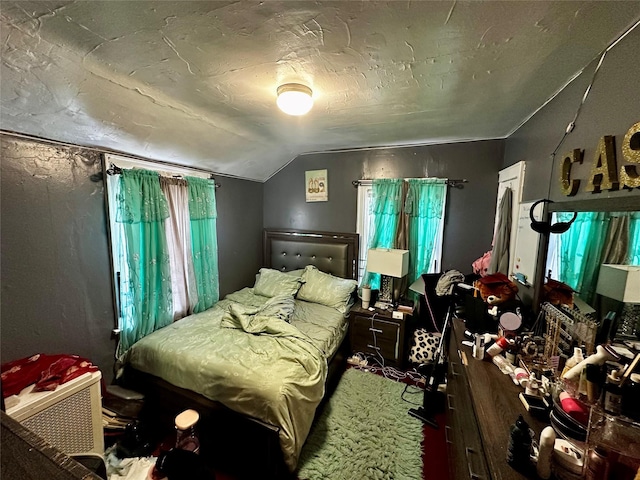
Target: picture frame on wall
[{"x": 316, "y": 185}]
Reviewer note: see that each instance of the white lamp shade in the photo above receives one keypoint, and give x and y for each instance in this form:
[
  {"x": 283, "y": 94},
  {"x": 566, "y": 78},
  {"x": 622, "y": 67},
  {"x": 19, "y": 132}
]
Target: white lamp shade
[
  {"x": 294, "y": 99},
  {"x": 620, "y": 282},
  {"x": 390, "y": 262}
]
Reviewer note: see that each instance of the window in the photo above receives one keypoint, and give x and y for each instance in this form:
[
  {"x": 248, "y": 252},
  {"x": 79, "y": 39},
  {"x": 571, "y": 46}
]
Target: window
[
  {"x": 362, "y": 228},
  {"x": 165, "y": 261},
  {"x": 431, "y": 226}
]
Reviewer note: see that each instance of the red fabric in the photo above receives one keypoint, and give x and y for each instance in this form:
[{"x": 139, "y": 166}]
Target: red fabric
[{"x": 46, "y": 371}]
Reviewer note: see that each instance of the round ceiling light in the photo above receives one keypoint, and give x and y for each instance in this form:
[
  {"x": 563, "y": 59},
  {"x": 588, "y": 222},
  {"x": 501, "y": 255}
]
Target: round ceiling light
[{"x": 294, "y": 98}]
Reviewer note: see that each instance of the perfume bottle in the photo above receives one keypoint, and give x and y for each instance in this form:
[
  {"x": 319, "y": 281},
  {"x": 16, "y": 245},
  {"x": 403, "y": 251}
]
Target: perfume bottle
[{"x": 186, "y": 435}]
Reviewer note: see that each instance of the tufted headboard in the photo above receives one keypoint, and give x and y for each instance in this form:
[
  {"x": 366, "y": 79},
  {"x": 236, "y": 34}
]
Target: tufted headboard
[{"x": 334, "y": 253}]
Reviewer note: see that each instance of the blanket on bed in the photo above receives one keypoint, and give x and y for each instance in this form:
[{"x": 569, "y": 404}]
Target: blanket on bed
[{"x": 245, "y": 357}]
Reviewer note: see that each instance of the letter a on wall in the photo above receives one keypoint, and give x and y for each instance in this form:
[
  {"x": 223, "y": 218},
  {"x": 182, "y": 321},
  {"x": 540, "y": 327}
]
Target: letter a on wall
[{"x": 604, "y": 175}]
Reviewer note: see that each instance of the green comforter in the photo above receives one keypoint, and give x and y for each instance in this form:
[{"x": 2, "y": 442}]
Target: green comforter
[{"x": 256, "y": 364}]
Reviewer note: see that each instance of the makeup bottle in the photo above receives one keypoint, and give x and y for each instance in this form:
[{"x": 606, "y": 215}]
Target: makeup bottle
[
  {"x": 597, "y": 465},
  {"x": 547, "y": 442},
  {"x": 612, "y": 396},
  {"x": 572, "y": 361}
]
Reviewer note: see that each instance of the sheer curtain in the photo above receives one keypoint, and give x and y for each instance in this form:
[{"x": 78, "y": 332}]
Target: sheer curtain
[
  {"x": 142, "y": 209},
  {"x": 178, "y": 230},
  {"x": 580, "y": 251},
  {"x": 386, "y": 206},
  {"x": 204, "y": 241},
  {"x": 633, "y": 256},
  {"x": 425, "y": 208}
]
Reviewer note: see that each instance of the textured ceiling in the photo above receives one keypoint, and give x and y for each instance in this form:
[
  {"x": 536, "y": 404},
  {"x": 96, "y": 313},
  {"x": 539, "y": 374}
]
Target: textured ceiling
[{"x": 194, "y": 83}]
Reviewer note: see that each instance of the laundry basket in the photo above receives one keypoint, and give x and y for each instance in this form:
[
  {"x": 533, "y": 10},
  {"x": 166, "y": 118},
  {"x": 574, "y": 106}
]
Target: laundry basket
[{"x": 69, "y": 418}]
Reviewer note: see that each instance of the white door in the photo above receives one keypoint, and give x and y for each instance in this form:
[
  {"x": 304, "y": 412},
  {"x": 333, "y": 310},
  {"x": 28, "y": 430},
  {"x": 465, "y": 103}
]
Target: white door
[{"x": 511, "y": 177}]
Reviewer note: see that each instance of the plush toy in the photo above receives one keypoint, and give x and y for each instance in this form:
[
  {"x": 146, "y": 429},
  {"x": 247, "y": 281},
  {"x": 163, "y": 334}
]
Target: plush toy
[
  {"x": 497, "y": 291},
  {"x": 557, "y": 293}
]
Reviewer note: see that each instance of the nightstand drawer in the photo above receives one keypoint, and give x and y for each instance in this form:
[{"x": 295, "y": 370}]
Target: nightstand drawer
[
  {"x": 385, "y": 330},
  {"x": 376, "y": 336},
  {"x": 388, "y": 350}
]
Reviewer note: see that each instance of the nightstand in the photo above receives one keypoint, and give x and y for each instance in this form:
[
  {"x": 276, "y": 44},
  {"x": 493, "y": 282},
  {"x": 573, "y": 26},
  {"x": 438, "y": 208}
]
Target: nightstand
[{"x": 378, "y": 332}]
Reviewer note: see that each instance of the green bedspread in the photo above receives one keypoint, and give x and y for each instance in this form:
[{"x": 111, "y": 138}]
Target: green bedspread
[{"x": 255, "y": 364}]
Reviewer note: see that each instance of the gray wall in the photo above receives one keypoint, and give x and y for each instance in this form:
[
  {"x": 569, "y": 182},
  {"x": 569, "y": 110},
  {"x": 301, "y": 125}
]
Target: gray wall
[
  {"x": 613, "y": 105},
  {"x": 56, "y": 280},
  {"x": 471, "y": 210}
]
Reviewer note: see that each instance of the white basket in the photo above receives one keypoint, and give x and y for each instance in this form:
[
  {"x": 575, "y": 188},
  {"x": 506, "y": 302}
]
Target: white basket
[{"x": 69, "y": 418}]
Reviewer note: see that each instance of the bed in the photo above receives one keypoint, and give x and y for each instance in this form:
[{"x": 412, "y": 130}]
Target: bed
[{"x": 255, "y": 379}]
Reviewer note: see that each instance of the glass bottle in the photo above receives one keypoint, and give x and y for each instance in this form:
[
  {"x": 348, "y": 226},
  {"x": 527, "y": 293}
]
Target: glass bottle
[
  {"x": 597, "y": 465},
  {"x": 186, "y": 435},
  {"x": 612, "y": 396}
]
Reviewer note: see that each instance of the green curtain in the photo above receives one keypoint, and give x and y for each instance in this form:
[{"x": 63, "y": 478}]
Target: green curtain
[
  {"x": 386, "y": 205},
  {"x": 425, "y": 205},
  {"x": 145, "y": 296},
  {"x": 581, "y": 251},
  {"x": 633, "y": 257},
  {"x": 204, "y": 241}
]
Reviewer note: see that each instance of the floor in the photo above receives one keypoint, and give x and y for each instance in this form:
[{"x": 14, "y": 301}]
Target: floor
[
  {"x": 435, "y": 463},
  {"x": 434, "y": 451}
]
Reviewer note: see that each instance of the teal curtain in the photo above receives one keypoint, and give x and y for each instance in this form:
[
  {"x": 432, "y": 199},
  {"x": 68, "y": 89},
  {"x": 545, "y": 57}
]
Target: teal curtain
[
  {"x": 425, "y": 206},
  {"x": 204, "y": 241},
  {"x": 145, "y": 296},
  {"x": 633, "y": 257},
  {"x": 386, "y": 205},
  {"x": 581, "y": 251}
]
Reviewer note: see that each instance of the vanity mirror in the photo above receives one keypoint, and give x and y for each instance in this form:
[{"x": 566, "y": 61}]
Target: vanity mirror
[{"x": 605, "y": 231}]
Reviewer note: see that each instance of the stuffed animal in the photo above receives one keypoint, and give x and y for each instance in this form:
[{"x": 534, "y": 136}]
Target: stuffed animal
[
  {"x": 557, "y": 293},
  {"x": 497, "y": 291}
]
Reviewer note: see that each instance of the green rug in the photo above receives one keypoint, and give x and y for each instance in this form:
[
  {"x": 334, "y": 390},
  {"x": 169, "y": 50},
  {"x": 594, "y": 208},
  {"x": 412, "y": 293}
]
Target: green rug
[{"x": 364, "y": 432}]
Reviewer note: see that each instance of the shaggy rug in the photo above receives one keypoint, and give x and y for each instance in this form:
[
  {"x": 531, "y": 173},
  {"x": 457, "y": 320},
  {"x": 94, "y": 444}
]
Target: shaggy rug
[{"x": 364, "y": 432}]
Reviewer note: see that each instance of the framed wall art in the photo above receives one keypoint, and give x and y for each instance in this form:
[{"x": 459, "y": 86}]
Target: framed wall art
[{"x": 316, "y": 185}]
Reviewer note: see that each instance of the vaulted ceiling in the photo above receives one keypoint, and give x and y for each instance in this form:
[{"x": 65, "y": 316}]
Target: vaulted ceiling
[{"x": 194, "y": 83}]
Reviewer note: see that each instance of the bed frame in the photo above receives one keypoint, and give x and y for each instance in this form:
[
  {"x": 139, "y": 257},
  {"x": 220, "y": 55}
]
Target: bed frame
[{"x": 244, "y": 446}]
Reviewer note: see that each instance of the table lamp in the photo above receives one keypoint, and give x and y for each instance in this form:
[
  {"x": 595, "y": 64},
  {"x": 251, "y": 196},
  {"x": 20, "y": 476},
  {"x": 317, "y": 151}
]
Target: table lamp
[
  {"x": 389, "y": 263},
  {"x": 622, "y": 283}
]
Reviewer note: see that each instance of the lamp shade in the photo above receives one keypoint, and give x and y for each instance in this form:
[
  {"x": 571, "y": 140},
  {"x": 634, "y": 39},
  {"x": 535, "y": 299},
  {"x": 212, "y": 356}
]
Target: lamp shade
[
  {"x": 390, "y": 262},
  {"x": 294, "y": 99},
  {"x": 620, "y": 282}
]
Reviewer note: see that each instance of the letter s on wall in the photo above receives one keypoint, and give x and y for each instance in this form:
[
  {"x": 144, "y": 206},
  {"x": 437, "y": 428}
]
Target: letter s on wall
[{"x": 629, "y": 176}]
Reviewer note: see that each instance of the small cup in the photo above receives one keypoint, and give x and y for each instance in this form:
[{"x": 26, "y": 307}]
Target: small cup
[{"x": 366, "y": 297}]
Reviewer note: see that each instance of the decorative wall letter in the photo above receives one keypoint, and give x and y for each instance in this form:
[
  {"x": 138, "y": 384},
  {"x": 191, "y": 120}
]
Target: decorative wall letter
[
  {"x": 629, "y": 177},
  {"x": 567, "y": 186},
  {"x": 603, "y": 171}
]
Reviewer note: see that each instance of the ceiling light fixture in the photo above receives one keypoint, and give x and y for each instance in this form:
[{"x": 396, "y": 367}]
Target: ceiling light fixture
[{"x": 294, "y": 98}]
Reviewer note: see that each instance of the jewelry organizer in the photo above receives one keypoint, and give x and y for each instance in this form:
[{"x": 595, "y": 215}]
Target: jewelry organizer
[{"x": 566, "y": 328}]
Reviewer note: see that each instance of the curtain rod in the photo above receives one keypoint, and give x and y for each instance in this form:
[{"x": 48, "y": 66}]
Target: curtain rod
[
  {"x": 115, "y": 170},
  {"x": 457, "y": 183}
]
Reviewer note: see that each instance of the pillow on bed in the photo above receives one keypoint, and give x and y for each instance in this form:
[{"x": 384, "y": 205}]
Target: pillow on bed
[
  {"x": 325, "y": 289},
  {"x": 270, "y": 283},
  {"x": 280, "y": 306},
  {"x": 296, "y": 273}
]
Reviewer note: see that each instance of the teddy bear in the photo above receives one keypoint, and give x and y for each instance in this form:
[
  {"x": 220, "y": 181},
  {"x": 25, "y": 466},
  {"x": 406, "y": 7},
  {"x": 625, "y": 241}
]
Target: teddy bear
[
  {"x": 497, "y": 291},
  {"x": 557, "y": 293}
]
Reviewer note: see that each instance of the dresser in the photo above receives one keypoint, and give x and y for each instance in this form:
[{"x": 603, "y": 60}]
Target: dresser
[
  {"x": 482, "y": 404},
  {"x": 377, "y": 332}
]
